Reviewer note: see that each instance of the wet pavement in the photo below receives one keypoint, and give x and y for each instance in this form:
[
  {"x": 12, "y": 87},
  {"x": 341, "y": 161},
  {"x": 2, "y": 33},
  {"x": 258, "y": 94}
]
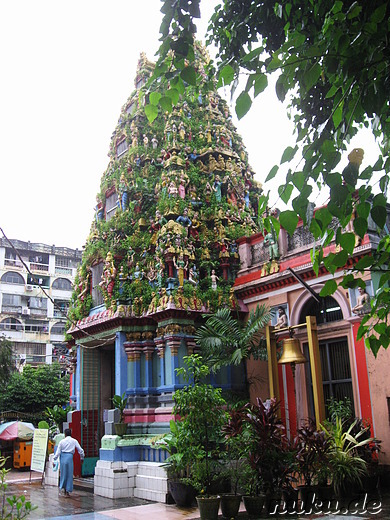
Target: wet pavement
[{"x": 85, "y": 505}]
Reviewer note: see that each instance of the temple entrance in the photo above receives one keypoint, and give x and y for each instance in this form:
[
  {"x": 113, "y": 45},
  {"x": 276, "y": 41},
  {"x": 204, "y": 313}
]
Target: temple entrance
[{"x": 98, "y": 376}]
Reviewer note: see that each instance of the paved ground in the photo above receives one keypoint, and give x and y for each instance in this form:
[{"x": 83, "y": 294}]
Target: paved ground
[{"x": 86, "y": 505}]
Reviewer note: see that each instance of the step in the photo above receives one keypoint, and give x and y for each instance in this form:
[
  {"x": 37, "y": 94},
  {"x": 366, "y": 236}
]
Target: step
[{"x": 83, "y": 484}]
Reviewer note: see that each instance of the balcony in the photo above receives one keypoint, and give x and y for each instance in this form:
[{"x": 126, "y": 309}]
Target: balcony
[
  {"x": 63, "y": 270},
  {"x": 38, "y": 312},
  {"x": 11, "y": 309},
  {"x": 15, "y": 263},
  {"x": 42, "y": 268}
]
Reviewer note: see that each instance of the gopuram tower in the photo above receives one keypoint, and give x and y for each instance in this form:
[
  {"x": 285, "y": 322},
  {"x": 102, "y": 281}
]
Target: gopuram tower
[{"x": 162, "y": 252}]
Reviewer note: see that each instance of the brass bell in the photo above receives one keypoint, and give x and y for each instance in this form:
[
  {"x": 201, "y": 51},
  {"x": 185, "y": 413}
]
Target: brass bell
[
  {"x": 142, "y": 224},
  {"x": 292, "y": 352}
]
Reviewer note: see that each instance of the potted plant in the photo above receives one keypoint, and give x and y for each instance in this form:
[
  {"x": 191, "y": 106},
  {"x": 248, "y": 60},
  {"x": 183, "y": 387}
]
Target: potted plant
[
  {"x": 201, "y": 409},
  {"x": 269, "y": 453},
  {"x": 120, "y": 402},
  {"x": 57, "y": 416},
  {"x": 234, "y": 436},
  {"x": 312, "y": 457},
  {"x": 347, "y": 467},
  {"x": 178, "y": 466}
]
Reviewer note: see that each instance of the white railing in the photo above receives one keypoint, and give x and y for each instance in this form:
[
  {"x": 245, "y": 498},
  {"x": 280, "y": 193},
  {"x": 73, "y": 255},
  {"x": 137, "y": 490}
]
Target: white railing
[
  {"x": 63, "y": 270},
  {"x": 39, "y": 267}
]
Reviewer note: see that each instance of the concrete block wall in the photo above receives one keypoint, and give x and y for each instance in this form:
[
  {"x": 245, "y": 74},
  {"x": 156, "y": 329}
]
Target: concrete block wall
[
  {"x": 113, "y": 480},
  {"x": 147, "y": 480},
  {"x": 52, "y": 477},
  {"x": 151, "y": 482}
]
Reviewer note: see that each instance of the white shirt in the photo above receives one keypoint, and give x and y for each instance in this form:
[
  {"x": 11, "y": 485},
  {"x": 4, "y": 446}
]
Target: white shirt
[{"x": 68, "y": 445}]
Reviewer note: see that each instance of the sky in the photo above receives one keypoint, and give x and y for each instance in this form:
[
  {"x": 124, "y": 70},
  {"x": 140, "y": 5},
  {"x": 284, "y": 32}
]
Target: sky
[{"x": 67, "y": 67}]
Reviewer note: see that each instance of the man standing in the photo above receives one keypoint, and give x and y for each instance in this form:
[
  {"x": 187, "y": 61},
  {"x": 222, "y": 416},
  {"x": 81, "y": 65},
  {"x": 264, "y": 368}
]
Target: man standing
[{"x": 65, "y": 452}]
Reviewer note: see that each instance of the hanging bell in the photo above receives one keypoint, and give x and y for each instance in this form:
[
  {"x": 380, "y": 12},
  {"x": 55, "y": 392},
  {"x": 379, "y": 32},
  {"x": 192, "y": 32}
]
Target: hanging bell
[
  {"x": 292, "y": 352},
  {"x": 142, "y": 224}
]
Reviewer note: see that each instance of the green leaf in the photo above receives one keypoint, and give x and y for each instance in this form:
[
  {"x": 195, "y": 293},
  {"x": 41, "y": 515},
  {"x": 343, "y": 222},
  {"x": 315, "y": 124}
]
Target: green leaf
[
  {"x": 363, "y": 209},
  {"x": 378, "y": 165},
  {"x": 288, "y": 154},
  {"x": 285, "y": 192},
  {"x": 299, "y": 179},
  {"x": 329, "y": 263},
  {"x": 280, "y": 88},
  {"x": 354, "y": 10},
  {"x": 383, "y": 183},
  {"x": 226, "y": 75},
  {"x": 366, "y": 174},
  {"x": 378, "y": 214},
  {"x": 332, "y": 91},
  {"x": 379, "y": 13},
  {"x": 194, "y": 9},
  {"x": 151, "y": 112},
  {"x": 154, "y": 98},
  {"x": 166, "y": 103},
  {"x": 329, "y": 288},
  {"x": 311, "y": 76},
  {"x": 347, "y": 242},
  {"x": 337, "y": 6},
  {"x": 324, "y": 217},
  {"x": 289, "y": 220},
  {"x": 364, "y": 263},
  {"x": 177, "y": 83},
  {"x": 261, "y": 83},
  {"x": 349, "y": 282},
  {"x": 243, "y": 104},
  {"x": 360, "y": 226},
  {"x": 379, "y": 200},
  {"x": 373, "y": 344},
  {"x": 188, "y": 74},
  {"x": 340, "y": 259},
  {"x": 275, "y": 224},
  {"x": 174, "y": 95},
  {"x": 273, "y": 171},
  {"x": 337, "y": 116},
  {"x": 252, "y": 54}
]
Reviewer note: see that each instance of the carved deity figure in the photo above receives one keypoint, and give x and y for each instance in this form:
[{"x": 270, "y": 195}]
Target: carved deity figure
[
  {"x": 214, "y": 280},
  {"x": 181, "y": 266},
  {"x": 108, "y": 276},
  {"x": 363, "y": 301},
  {"x": 282, "y": 319},
  {"x": 273, "y": 247}
]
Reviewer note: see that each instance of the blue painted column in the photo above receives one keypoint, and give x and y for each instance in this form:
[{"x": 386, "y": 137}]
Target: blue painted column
[
  {"x": 160, "y": 345},
  {"x": 120, "y": 364},
  {"x": 136, "y": 357},
  {"x": 174, "y": 344},
  {"x": 148, "y": 350},
  {"x": 77, "y": 381}
]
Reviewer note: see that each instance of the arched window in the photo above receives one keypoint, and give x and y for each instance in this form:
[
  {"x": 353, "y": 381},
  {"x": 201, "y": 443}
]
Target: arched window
[
  {"x": 12, "y": 277},
  {"x": 334, "y": 353},
  {"x": 10, "y": 324},
  {"x": 63, "y": 284},
  {"x": 58, "y": 328},
  {"x": 326, "y": 311}
]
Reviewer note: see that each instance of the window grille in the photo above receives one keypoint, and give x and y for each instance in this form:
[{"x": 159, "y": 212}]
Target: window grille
[
  {"x": 336, "y": 372},
  {"x": 62, "y": 284},
  {"x": 111, "y": 206},
  {"x": 11, "y": 277},
  {"x": 121, "y": 148},
  {"x": 10, "y": 324}
]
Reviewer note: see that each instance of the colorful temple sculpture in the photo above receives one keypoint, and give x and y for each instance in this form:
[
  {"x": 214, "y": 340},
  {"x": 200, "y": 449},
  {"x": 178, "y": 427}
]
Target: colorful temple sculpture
[
  {"x": 177, "y": 234},
  {"x": 162, "y": 252}
]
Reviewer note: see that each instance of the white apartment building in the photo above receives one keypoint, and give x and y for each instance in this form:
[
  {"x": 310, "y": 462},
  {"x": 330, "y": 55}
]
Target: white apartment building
[{"x": 36, "y": 284}]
